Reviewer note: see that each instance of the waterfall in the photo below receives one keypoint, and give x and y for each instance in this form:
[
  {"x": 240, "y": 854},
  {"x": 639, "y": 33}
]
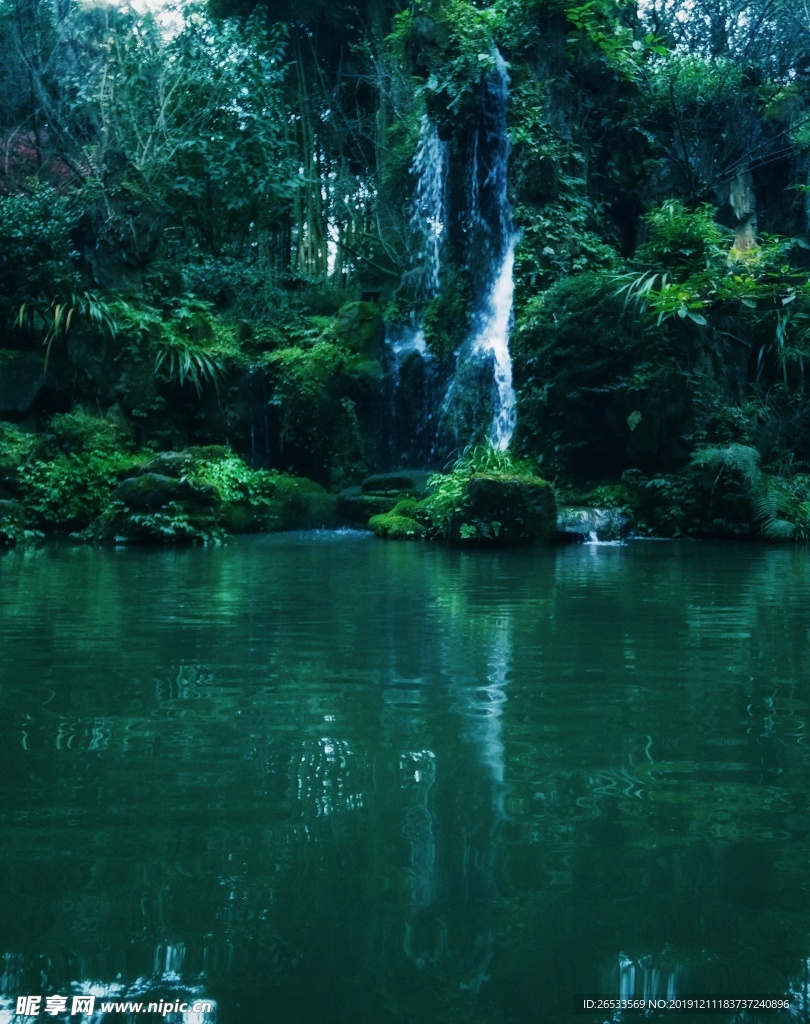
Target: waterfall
[
  {"x": 429, "y": 415},
  {"x": 414, "y": 380},
  {"x": 483, "y": 374},
  {"x": 493, "y": 337},
  {"x": 428, "y": 211},
  {"x": 490, "y": 205}
]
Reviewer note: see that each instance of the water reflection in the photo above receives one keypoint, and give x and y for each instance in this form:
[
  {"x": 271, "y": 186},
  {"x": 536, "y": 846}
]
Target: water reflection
[{"x": 286, "y": 772}]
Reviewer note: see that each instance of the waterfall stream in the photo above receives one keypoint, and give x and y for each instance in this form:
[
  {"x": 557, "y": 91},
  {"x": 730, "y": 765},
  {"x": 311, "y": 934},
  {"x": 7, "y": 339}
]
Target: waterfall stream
[
  {"x": 493, "y": 338},
  {"x": 428, "y": 213},
  {"x": 491, "y": 209},
  {"x": 478, "y": 399}
]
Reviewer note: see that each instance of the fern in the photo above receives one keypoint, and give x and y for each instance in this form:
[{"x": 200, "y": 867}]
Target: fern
[
  {"x": 740, "y": 459},
  {"x": 780, "y": 507},
  {"x": 781, "y": 514}
]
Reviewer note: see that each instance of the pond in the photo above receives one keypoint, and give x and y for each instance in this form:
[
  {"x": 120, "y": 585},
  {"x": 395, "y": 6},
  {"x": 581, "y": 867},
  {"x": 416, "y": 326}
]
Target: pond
[{"x": 324, "y": 777}]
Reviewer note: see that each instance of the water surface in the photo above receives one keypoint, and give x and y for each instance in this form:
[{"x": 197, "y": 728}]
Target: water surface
[{"x": 329, "y": 778}]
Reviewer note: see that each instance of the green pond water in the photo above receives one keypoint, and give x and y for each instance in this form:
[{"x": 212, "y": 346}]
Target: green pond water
[{"x": 326, "y": 778}]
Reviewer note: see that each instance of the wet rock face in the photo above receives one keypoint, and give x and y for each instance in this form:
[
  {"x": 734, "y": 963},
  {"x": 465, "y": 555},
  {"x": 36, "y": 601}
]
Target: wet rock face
[
  {"x": 21, "y": 380},
  {"x": 578, "y": 523}
]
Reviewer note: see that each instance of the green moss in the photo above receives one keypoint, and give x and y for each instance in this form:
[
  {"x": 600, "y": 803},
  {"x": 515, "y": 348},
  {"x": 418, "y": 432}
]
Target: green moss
[
  {"x": 447, "y": 317},
  {"x": 322, "y": 401},
  {"x": 359, "y": 327},
  {"x": 488, "y": 498},
  {"x": 411, "y": 508},
  {"x": 355, "y": 509},
  {"x": 396, "y": 527},
  {"x": 302, "y": 504}
]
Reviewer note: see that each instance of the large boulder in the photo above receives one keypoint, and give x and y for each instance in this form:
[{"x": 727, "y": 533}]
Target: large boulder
[
  {"x": 359, "y": 327},
  {"x": 412, "y": 482},
  {"x": 477, "y": 508},
  {"x": 152, "y": 491},
  {"x": 203, "y": 494},
  {"x": 507, "y": 510}
]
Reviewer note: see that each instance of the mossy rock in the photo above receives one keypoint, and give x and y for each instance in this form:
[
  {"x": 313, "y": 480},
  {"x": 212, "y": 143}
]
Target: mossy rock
[
  {"x": 412, "y": 482},
  {"x": 507, "y": 510},
  {"x": 152, "y": 491},
  {"x": 413, "y": 509},
  {"x": 360, "y": 328},
  {"x": 242, "y": 517},
  {"x": 153, "y": 508},
  {"x": 171, "y": 464},
  {"x": 355, "y": 508},
  {"x": 396, "y": 527}
]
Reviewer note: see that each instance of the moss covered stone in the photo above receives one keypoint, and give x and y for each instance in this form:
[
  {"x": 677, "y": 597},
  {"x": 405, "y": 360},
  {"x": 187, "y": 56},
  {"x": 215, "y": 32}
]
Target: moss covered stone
[
  {"x": 155, "y": 491},
  {"x": 300, "y": 504},
  {"x": 401, "y": 482},
  {"x": 501, "y": 504},
  {"x": 506, "y": 510},
  {"x": 354, "y": 508},
  {"x": 396, "y": 527},
  {"x": 359, "y": 327}
]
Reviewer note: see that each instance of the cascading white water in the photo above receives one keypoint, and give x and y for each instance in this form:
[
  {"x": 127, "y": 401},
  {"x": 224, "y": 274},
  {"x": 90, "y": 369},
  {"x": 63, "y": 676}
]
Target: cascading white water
[
  {"x": 428, "y": 213},
  {"x": 493, "y": 337},
  {"x": 414, "y": 379},
  {"x": 480, "y": 397},
  {"x": 493, "y": 320},
  {"x": 402, "y": 341}
]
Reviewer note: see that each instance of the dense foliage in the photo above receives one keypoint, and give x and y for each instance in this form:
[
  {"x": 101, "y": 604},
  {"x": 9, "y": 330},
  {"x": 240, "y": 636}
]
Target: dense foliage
[{"x": 206, "y": 221}]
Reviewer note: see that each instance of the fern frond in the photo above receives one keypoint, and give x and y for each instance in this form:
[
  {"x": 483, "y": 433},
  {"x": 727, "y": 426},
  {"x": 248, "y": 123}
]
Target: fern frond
[
  {"x": 779, "y": 529},
  {"x": 741, "y": 459}
]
